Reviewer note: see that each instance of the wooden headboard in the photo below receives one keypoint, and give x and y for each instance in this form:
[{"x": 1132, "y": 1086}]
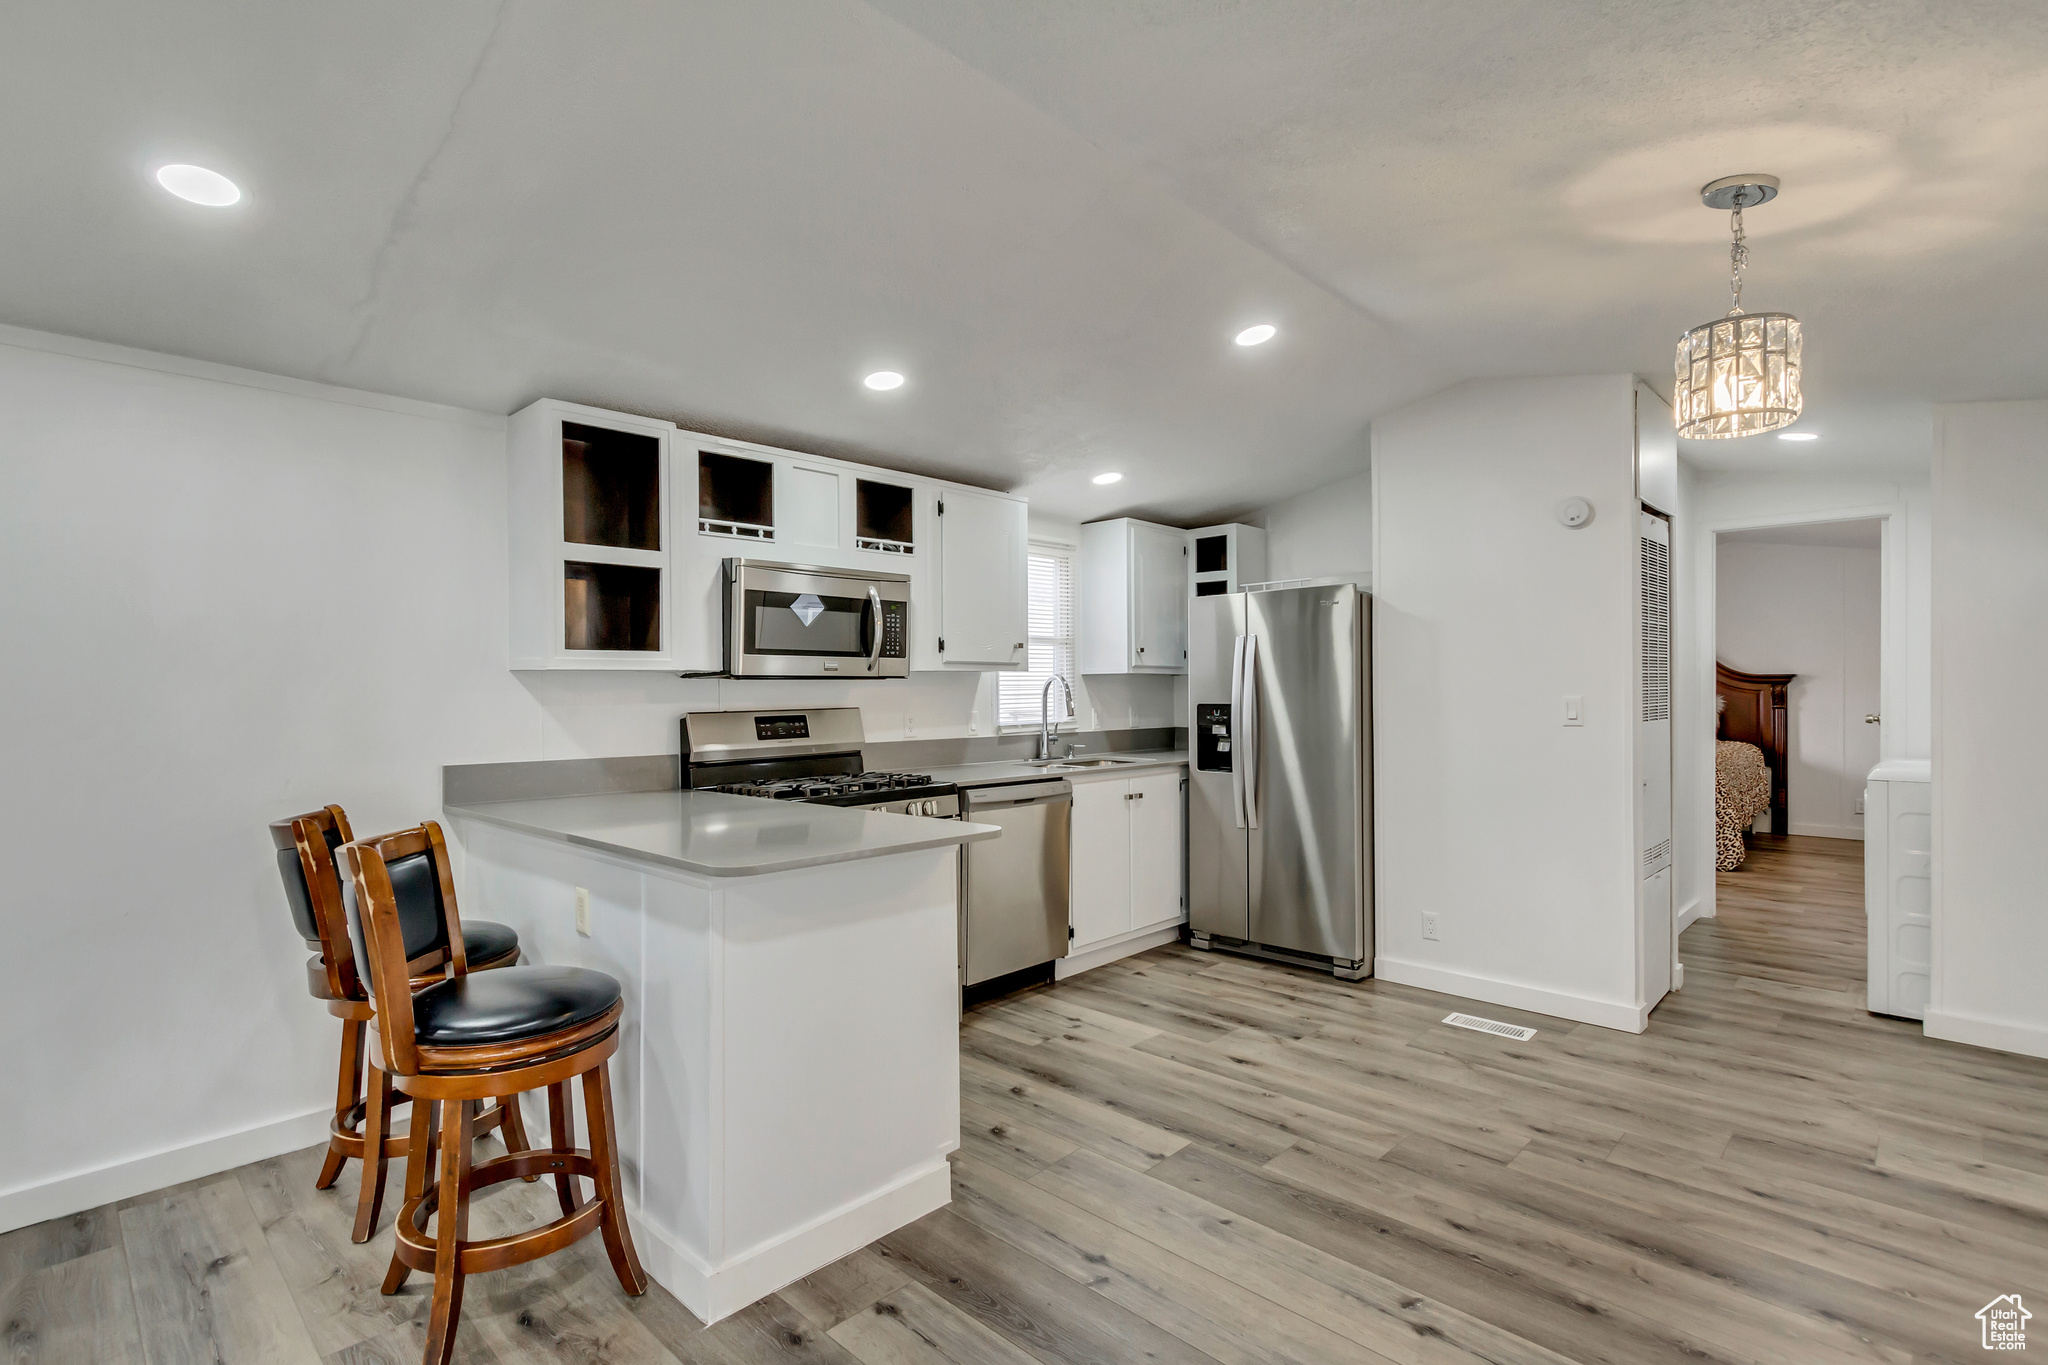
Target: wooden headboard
[{"x": 1753, "y": 710}]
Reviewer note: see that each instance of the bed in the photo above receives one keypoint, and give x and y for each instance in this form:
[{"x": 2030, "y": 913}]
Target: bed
[{"x": 1749, "y": 758}]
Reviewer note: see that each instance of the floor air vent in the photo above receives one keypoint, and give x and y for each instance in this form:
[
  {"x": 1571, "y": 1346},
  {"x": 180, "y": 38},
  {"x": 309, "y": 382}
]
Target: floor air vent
[{"x": 1493, "y": 1026}]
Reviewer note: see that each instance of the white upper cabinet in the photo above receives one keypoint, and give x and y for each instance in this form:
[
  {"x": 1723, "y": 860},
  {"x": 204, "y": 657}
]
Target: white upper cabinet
[
  {"x": 591, "y": 551},
  {"x": 1223, "y": 559},
  {"x": 1134, "y": 598},
  {"x": 621, "y": 526},
  {"x": 982, "y": 579}
]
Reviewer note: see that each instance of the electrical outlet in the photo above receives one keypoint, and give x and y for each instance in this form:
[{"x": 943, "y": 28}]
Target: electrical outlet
[
  {"x": 1859, "y": 805},
  {"x": 909, "y": 727},
  {"x": 1429, "y": 925},
  {"x": 583, "y": 911}
]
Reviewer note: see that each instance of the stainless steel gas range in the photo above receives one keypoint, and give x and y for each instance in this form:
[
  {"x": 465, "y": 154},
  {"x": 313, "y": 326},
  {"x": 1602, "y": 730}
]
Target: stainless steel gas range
[
  {"x": 809, "y": 755},
  {"x": 1013, "y": 890}
]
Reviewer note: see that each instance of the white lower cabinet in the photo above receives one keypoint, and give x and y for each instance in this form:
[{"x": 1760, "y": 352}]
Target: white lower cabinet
[{"x": 1127, "y": 857}]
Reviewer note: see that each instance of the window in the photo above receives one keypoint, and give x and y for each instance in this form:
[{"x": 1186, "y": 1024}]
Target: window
[{"x": 1052, "y": 641}]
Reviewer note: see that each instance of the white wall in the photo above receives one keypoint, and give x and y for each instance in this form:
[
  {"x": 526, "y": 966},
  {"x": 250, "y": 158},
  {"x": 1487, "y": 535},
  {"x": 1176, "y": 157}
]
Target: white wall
[
  {"x": 1811, "y": 610},
  {"x": 231, "y": 598},
  {"x": 1990, "y": 596},
  {"x": 1692, "y": 711},
  {"x": 1517, "y": 830},
  {"x": 1325, "y": 532}
]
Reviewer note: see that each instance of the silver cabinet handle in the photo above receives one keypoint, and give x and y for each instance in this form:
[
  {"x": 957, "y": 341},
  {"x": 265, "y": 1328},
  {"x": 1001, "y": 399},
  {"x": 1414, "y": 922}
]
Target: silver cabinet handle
[{"x": 1872, "y": 720}]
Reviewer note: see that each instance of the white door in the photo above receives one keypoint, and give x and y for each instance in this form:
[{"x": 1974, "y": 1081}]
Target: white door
[
  {"x": 1862, "y": 739},
  {"x": 1155, "y": 848},
  {"x": 983, "y": 590},
  {"x": 1653, "y": 763},
  {"x": 1101, "y": 895},
  {"x": 1159, "y": 597}
]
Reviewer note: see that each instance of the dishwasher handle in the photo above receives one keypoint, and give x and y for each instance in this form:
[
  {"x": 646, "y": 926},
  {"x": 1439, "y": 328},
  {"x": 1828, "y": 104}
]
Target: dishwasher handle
[{"x": 1018, "y": 794}]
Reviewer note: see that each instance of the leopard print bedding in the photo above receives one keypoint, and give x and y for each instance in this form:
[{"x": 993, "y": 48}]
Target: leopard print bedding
[{"x": 1742, "y": 791}]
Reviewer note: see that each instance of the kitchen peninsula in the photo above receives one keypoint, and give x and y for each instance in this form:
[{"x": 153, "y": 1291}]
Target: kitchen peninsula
[{"x": 788, "y": 1075}]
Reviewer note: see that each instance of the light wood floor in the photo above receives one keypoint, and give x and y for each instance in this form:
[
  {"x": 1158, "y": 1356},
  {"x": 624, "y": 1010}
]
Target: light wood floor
[{"x": 1193, "y": 1159}]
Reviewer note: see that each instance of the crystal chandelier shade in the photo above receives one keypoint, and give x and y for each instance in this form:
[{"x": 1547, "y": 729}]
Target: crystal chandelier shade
[{"x": 1738, "y": 375}]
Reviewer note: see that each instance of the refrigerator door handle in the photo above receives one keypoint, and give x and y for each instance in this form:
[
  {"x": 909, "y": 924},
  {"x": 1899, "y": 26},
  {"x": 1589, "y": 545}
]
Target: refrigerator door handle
[
  {"x": 1244, "y": 719},
  {"x": 1236, "y": 712}
]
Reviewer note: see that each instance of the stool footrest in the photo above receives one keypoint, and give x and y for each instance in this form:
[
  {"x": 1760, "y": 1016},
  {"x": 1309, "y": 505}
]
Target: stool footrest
[{"x": 415, "y": 1247}]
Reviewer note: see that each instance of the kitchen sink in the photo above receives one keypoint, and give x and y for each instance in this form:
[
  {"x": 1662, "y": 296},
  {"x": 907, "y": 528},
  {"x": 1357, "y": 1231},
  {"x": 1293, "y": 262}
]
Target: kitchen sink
[{"x": 1087, "y": 763}]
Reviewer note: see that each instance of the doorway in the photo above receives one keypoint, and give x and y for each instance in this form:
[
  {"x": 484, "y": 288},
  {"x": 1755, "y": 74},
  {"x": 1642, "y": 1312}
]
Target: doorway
[
  {"x": 1798, "y": 650},
  {"x": 1804, "y": 603}
]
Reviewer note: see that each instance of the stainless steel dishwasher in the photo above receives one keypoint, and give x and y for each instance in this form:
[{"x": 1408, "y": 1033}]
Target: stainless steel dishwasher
[{"x": 1014, "y": 904}]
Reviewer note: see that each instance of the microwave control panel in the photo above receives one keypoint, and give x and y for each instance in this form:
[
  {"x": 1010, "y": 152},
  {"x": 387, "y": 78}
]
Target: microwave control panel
[{"x": 895, "y": 636}]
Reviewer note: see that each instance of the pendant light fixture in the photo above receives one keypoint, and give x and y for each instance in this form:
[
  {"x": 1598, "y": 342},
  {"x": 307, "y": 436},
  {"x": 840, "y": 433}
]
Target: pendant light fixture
[{"x": 1738, "y": 375}]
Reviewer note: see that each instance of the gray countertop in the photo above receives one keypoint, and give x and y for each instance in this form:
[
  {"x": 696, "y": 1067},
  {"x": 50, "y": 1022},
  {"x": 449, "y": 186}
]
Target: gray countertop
[
  {"x": 714, "y": 835},
  {"x": 990, "y": 774}
]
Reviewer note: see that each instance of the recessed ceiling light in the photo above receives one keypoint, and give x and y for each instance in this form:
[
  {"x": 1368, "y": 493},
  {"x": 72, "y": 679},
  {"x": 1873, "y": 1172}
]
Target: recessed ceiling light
[
  {"x": 884, "y": 379},
  {"x": 1106, "y": 478},
  {"x": 1799, "y": 436},
  {"x": 199, "y": 185},
  {"x": 1253, "y": 336}
]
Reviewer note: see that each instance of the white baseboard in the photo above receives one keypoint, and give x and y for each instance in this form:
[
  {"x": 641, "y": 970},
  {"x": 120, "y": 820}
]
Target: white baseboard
[
  {"x": 1536, "y": 999},
  {"x": 1103, "y": 953},
  {"x": 68, "y": 1194},
  {"x": 1830, "y": 831},
  {"x": 754, "y": 1275},
  {"x": 2028, "y": 1040},
  {"x": 1692, "y": 914}
]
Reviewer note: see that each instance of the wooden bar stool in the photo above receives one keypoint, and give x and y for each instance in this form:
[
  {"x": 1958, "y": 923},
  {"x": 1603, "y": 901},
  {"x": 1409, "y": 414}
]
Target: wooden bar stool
[
  {"x": 474, "y": 1037},
  {"x": 362, "y": 1106}
]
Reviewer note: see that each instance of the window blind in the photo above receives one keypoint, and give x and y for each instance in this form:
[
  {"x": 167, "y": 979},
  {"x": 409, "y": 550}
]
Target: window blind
[{"x": 1050, "y": 641}]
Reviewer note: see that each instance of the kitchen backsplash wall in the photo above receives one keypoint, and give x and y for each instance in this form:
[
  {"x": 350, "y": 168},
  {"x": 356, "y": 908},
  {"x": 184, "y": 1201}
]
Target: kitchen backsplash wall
[{"x": 585, "y": 715}]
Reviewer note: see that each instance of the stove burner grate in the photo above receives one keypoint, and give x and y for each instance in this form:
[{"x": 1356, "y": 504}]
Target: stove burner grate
[{"x": 820, "y": 788}]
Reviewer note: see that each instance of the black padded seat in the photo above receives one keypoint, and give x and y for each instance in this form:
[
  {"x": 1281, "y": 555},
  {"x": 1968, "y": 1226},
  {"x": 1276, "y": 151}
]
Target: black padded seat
[
  {"x": 510, "y": 1004},
  {"x": 483, "y": 941}
]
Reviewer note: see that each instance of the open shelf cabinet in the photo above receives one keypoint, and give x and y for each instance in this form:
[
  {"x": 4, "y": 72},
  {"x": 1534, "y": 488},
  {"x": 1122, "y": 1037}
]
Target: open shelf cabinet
[{"x": 590, "y": 580}]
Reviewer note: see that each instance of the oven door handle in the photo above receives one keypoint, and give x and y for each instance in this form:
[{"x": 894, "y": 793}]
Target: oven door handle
[{"x": 875, "y": 650}]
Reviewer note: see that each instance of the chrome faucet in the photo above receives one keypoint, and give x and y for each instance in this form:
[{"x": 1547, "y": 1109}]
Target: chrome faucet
[{"x": 1045, "y": 715}]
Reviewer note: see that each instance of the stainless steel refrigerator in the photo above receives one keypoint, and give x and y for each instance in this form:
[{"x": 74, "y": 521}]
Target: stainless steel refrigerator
[{"x": 1280, "y": 782}]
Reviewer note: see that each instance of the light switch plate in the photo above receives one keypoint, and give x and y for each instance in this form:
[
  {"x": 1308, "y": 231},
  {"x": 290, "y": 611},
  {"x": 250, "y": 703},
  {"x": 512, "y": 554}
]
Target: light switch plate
[
  {"x": 1574, "y": 710},
  {"x": 583, "y": 911}
]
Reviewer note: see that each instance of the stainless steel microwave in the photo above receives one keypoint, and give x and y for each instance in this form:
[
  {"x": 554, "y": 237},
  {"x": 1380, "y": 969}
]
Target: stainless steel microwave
[{"x": 802, "y": 621}]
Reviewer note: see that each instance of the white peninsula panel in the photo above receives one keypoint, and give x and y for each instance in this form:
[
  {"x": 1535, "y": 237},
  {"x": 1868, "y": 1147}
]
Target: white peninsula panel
[{"x": 788, "y": 1078}]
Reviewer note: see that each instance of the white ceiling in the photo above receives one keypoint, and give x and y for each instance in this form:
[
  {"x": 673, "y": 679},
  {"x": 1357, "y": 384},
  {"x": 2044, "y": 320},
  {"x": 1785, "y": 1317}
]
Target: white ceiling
[
  {"x": 1864, "y": 534},
  {"x": 1051, "y": 216}
]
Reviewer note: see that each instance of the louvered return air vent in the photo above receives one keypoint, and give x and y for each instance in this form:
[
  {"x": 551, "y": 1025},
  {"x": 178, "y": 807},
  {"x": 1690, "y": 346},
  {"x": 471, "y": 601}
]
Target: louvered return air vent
[
  {"x": 1656, "y": 630},
  {"x": 1658, "y": 854},
  {"x": 1493, "y": 1026}
]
